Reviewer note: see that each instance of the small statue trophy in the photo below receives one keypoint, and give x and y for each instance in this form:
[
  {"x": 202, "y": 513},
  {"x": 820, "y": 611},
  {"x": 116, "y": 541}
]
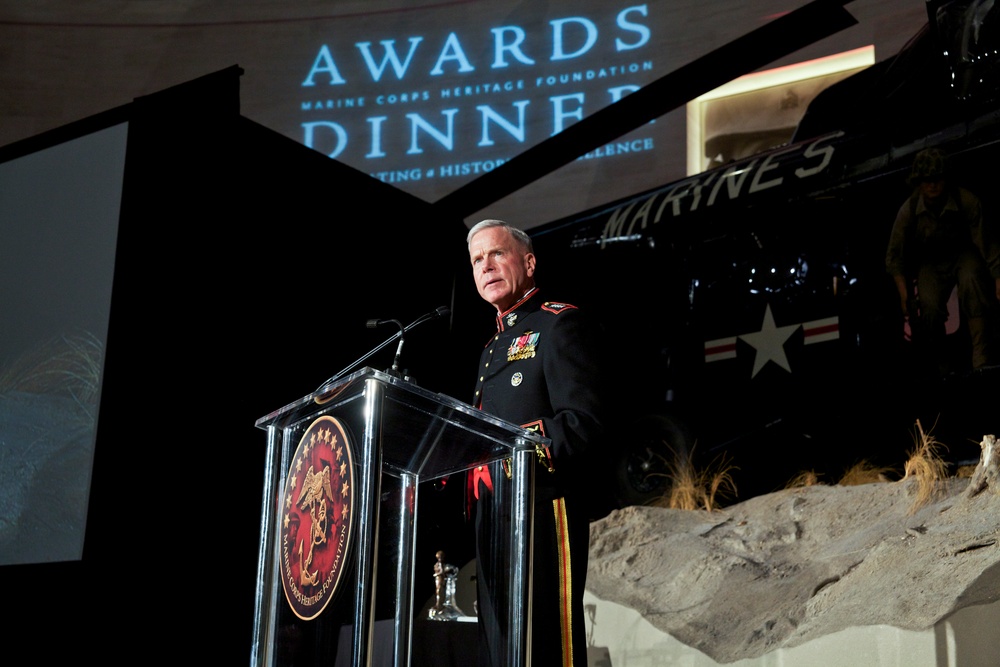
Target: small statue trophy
[{"x": 445, "y": 578}]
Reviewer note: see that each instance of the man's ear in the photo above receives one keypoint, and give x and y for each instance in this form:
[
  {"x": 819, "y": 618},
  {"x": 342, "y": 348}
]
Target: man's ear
[{"x": 529, "y": 263}]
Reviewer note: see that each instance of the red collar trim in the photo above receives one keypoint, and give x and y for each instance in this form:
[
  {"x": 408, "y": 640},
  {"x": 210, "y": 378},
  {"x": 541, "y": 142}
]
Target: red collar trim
[{"x": 530, "y": 293}]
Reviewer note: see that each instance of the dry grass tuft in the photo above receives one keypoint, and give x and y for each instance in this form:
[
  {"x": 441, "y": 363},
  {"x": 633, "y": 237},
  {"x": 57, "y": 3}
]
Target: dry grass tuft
[
  {"x": 693, "y": 489},
  {"x": 926, "y": 466},
  {"x": 965, "y": 472},
  {"x": 804, "y": 478},
  {"x": 69, "y": 364},
  {"x": 864, "y": 472}
]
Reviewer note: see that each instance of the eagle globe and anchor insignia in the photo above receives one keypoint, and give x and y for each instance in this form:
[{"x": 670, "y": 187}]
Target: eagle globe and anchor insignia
[{"x": 317, "y": 508}]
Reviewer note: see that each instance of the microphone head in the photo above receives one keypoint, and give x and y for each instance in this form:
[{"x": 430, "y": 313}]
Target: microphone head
[
  {"x": 442, "y": 311},
  {"x": 371, "y": 324}
]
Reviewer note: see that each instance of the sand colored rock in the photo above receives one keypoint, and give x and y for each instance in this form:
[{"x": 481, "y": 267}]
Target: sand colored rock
[{"x": 785, "y": 568}]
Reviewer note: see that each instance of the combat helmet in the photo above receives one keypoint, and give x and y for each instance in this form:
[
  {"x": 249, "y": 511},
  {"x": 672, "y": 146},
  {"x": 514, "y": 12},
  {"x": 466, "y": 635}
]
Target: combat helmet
[{"x": 929, "y": 164}]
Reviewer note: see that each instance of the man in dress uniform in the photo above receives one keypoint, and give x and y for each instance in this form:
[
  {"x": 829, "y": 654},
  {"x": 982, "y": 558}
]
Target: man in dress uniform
[{"x": 541, "y": 370}]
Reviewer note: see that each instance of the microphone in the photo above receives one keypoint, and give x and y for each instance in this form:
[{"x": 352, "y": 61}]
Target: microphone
[
  {"x": 399, "y": 348},
  {"x": 440, "y": 311}
]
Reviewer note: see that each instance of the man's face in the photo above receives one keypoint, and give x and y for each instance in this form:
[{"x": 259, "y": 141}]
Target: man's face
[
  {"x": 932, "y": 188},
  {"x": 502, "y": 269}
]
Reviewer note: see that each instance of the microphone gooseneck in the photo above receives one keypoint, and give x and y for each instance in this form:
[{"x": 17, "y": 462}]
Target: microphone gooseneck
[{"x": 440, "y": 311}]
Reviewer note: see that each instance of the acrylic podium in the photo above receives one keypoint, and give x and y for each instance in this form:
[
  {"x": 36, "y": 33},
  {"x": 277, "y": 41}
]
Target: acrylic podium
[{"x": 339, "y": 522}]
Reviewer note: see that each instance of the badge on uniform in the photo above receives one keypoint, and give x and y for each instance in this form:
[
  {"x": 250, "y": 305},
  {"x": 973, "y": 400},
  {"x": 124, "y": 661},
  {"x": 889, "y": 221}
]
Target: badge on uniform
[
  {"x": 523, "y": 347},
  {"x": 511, "y": 319},
  {"x": 516, "y": 379}
]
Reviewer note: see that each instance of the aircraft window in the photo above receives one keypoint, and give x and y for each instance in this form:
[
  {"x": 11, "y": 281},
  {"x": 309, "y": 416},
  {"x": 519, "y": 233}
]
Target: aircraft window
[{"x": 760, "y": 111}]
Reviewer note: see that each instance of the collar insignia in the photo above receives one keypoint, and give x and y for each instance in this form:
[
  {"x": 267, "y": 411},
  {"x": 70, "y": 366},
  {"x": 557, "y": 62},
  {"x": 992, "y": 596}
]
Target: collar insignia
[{"x": 511, "y": 318}]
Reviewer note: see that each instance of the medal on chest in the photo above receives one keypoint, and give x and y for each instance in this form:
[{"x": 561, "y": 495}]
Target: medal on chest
[{"x": 523, "y": 347}]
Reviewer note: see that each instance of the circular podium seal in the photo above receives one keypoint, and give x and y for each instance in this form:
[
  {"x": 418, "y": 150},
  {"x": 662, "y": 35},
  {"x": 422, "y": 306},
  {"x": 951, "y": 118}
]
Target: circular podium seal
[{"x": 317, "y": 507}]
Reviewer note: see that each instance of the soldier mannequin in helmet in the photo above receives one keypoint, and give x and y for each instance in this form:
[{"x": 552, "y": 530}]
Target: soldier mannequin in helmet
[{"x": 940, "y": 239}]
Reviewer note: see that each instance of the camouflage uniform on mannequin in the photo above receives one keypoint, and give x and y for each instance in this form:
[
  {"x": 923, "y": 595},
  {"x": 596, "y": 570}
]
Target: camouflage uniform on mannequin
[{"x": 940, "y": 238}]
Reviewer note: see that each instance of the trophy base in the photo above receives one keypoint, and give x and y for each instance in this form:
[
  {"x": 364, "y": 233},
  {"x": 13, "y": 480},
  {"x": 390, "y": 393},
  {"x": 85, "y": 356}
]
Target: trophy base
[{"x": 445, "y": 613}]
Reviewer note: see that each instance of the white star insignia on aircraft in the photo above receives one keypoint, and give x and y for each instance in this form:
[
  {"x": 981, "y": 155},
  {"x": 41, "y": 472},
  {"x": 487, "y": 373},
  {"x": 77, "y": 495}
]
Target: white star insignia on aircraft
[{"x": 769, "y": 343}]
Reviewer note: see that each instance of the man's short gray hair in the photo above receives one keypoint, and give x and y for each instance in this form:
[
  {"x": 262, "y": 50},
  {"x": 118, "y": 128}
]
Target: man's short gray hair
[{"x": 519, "y": 235}]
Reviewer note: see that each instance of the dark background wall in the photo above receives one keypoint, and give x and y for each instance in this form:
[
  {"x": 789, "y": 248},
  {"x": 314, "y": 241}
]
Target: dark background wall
[{"x": 238, "y": 288}]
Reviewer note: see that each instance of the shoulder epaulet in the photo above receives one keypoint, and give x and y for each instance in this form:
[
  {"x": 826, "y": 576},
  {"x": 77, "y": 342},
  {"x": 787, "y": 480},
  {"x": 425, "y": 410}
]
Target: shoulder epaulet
[{"x": 557, "y": 307}]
